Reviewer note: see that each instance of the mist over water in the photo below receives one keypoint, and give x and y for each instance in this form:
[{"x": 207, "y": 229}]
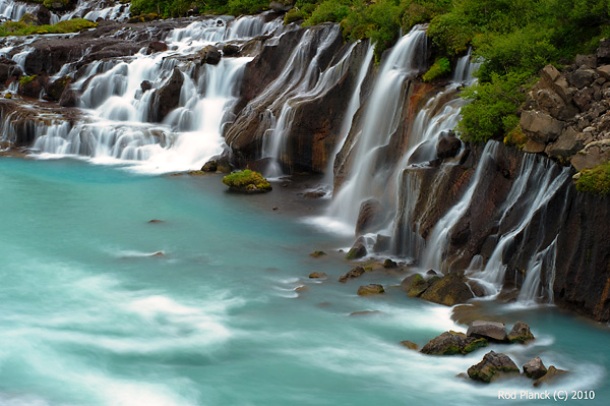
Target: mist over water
[{"x": 207, "y": 307}]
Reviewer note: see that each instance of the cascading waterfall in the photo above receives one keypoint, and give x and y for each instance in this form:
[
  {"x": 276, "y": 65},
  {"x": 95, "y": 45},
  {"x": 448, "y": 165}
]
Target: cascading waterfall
[
  {"x": 380, "y": 122},
  {"x": 12, "y": 10},
  {"x": 301, "y": 80},
  {"x": 119, "y": 125},
  {"x": 350, "y": 113},
  {"x": 90, "y": 10},
  {"x": 532, "y": 190}
]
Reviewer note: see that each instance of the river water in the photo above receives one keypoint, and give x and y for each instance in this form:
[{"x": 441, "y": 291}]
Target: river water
[{"x": 101, "y": 307}]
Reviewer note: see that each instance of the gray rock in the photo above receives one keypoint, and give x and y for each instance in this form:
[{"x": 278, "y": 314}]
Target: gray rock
[
  {"x": 582, "y": 78},
  {"x": 540, "y": 126},
  {"x": 551, "y": 375},
  {"x": 489, "y": 330}
]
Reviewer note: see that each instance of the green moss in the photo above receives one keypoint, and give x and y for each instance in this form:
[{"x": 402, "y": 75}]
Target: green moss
[
  {"x": 247, "y": 181},
  {"x": 20, "y": 28},
  {"x": 475, "y": 345},
  {"x": 595, "y": 180},
  {"x": 441, "y": 67},
  {"x": 24, "y": 80}
]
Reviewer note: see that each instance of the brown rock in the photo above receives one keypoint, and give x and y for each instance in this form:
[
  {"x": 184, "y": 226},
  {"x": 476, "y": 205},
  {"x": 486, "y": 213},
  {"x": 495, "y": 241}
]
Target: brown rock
[
  {"x": 551, "y": 375},
  {"x": 520, "y": 333},
  {"x": 593, "y": 154},
  {"x": 448, "y": 145},
  {"x": 352, "y": 274},
  {"x": 358, "y": 250},
  {"x": 534, "y": 368},
  {"x": 540, "y": 127},
  {"x": 369, "y": 217},
  {"x": 449, "y": 290},
  {"x": 317, "y": 275},
  {"x": 167, "y": 97},
  {"x": 414, "y": 285},
  {"x": 493, "y": 366},
  {"x": 372, "y": 289},
  {"x": 451, "y": 343},
  {"x": 490, "y": 330},
  {"x": 157, "y": 46},
  {"x": 409, "y": 344},
  {"x": 210, "y": 55}
]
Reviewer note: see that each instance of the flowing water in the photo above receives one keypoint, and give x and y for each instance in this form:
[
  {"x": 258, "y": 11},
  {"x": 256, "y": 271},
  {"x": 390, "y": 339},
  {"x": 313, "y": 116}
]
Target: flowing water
[{"x": 101, "y": 307}]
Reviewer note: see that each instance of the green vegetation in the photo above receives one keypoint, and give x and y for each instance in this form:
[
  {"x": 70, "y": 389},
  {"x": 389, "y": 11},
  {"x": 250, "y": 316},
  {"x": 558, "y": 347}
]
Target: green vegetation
[
  {"x": 441, "y": 67},
  {"x": 24, "y": 80},
  {"x": 247, "y": 181},
  {"x": 595, "y": 180},
  {"x": 62, "y": 27}
]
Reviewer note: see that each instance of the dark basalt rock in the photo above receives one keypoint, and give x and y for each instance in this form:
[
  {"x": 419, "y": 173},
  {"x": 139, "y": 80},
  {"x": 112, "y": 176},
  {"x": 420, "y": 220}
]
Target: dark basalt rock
[
  {"x": 369, "y": 217},
  {"x": 210, "y": 55},
  {"x": 167, "y": 97},
  {"x": 449, "y": 290},
  {"x": 448, "y": 145},
  {"x": 493, "y": 366},
  {"x": 452, "y": 343},
  {"x": 156, "y": 46},
  {"x": 56, "y": 89}
]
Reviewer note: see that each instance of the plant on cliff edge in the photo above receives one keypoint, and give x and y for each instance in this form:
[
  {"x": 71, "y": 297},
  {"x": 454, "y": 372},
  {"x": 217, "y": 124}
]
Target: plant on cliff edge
[
  {"x": 595, "y": 180},
  {"x": 247, "y": 181}
]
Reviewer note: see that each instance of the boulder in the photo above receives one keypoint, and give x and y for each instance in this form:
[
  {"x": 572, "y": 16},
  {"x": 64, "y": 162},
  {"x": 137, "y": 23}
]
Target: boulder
[
  {"x": 210, "y": 55},
  {"x": 317, "y": 254},
  {"x": 167, "y": 97},
  {"x": 145, "y": 86},
  {"x": 603, "y": 51},
  {"x": 540, "y": 126},
  {"x": 317, "y": 275},
  {"x": 210, "y": 166},
  {"x": 157, "y": 46},
  {"x": 69, "y": 98},
  {"x": 42, "y": 15},
  {"x": 372, "y": 289},
  {"x": 448, "y": 145},
  {"x": 569, "y": 142},
  {"x": 414, "y": 285},
  {"x": 551, "y": 375},
  {"x": 358, "y": 250},
  {"x": 389, "y": 264},
  {"x": 582, "y": 77},
  {"x": 451, "y": 343},
  {"x": 230, "y": 50},
  {"x": 56, "y": 89},
  {"x": 520, "y": 333},
  {"x": 352, "y": 274},
  {"x": 449, "y": 290},
  {"x": 593, "y": 154},
  {"x": 534, "y": 368},
  {"x": 382, "y": 243},
  {"x": 369, "y": 217},
  {"x": 247, "y": 181},
  {"x": 493, "y": 366},
  {"x": 490, "y": 330}
]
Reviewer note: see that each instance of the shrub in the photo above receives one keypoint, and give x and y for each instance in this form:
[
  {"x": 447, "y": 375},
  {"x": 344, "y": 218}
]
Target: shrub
[{"x": 440, "y": 68}]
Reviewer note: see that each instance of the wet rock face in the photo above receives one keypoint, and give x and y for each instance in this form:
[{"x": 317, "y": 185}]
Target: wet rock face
[
  {"x": 534, "y": 368},
  {"x": 489, "y": 330},
  {"x": 167, "y": 97}
]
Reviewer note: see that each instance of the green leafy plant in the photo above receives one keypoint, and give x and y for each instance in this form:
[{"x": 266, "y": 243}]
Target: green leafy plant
[{"x": 441, "y": 67}]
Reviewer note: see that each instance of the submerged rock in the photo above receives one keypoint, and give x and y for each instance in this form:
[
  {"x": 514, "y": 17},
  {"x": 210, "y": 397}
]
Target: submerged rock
[
  {"x": 317, "y": 275},
  {"x": 352, "y": 274},
  {"x": 551, "y": 375},
  {"x": 372, "y": 289},
  {"x": 451, "y": 343},
  {"x": 409, "y": 344},
  {"x": 493, "y": 366}
]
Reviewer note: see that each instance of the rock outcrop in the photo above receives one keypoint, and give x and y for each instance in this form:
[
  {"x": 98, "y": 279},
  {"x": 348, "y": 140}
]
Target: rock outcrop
[{"x": 492, "y": 367}]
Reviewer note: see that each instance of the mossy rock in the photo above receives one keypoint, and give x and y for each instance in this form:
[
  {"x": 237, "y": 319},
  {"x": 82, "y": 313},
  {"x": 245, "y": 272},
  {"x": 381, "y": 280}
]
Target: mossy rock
[
  {"x": 595, "y": 180},
  {"x": 247, "y": 181},
  {"x": 452, "y": 343},
  {"x": 414, "y": 285},
  {"x": 492, "y": 367},
  {"x": 372, "y": 289},
  {"x": 449, "y": 290}
]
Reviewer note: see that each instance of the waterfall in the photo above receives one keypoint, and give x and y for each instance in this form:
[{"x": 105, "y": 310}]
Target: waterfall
[
  {"x": 302, "y": 79},
  {"x": 350, "y": 113},
  {"x": 530, "y": 194},
  {"x": 12, "y": 10},
  {"x": 120, "y": 121},
  {"x": 436, "y": 244},
  {"x": 381, "y": 119},
  {"x": 93, "y": 10}
]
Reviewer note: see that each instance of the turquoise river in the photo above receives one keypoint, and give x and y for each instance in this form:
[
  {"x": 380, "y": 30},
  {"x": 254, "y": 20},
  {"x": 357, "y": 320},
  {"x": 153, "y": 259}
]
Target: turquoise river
[{"x": 212, "y": 305}]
